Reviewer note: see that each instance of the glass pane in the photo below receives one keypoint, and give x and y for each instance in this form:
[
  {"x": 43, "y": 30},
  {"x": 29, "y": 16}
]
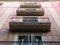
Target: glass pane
[
  {"x": 30, "y": 19},
  {"x": 31, "y": 39}
]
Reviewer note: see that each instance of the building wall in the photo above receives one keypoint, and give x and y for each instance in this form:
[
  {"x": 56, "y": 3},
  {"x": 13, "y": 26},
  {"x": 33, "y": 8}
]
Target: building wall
[{"x": 29, "y": 0}]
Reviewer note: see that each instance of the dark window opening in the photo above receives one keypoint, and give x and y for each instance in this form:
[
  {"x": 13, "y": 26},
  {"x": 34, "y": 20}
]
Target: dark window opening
[
  {"x": 30, "y": 19},
  {"x": 30, "y": 40}
]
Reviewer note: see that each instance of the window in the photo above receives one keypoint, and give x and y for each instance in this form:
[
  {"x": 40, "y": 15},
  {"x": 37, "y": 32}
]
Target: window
[
  {"x": 30, "y": 39},
  {"x": 30, "y": 19}
]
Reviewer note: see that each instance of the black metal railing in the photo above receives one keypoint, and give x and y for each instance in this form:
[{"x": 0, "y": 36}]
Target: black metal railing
[{"x": 29, "y": 42}]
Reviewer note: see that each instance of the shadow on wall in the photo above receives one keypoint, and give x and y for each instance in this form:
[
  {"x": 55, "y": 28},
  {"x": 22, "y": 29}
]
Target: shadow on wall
[{"x": 1, "y": 4}]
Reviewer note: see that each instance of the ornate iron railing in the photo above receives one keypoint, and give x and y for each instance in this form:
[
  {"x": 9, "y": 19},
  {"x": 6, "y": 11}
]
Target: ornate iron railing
[{"x": 29, "y": 42}]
